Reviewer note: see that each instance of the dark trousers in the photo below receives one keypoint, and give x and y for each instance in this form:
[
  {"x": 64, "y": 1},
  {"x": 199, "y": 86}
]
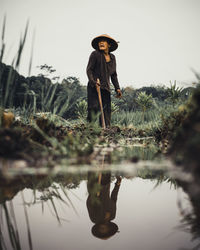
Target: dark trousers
[{"x": 94, "y": 107}]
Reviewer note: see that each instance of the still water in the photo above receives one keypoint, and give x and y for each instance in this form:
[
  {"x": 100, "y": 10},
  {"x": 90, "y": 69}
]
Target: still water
[{"x": 143, "y": 208}]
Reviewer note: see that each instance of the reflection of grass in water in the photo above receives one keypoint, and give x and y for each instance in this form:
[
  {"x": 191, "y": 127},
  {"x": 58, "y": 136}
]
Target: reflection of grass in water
[
  {"x": 12, "y": 226},
  {"x": 49, "y": 196},
  {"x": 189, "y": 223},
  {"x": 8, "y": 215},
  {"x": 167, "y": 179},
  {"x": 27, "y": 222},
  {"x": 55, "y": 192},
  {"x": 51, "y": 192},
  {"x": 190, "y": 216},
  {"x": 160, "y": 176}
]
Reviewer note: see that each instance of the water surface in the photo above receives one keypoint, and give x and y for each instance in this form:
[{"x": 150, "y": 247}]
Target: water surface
[{"x": 97, "y": 208}]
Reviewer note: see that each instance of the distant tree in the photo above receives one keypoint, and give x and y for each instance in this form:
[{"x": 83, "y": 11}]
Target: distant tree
[
  {"x": 48, "y": 70},
  {"x": 158, "y": 92},
  {"x": 70, "y": 93},
  {"x": 187, "y": 92},
  {"x": 41, "y": 86}
]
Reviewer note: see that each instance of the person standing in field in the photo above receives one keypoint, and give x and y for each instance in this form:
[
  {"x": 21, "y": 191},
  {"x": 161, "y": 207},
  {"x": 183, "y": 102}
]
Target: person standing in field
[{"x": 102, "y": 66}]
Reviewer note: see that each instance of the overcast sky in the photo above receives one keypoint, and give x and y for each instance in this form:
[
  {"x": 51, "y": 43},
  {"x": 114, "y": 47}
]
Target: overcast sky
[{"x": 159, "y": 39}]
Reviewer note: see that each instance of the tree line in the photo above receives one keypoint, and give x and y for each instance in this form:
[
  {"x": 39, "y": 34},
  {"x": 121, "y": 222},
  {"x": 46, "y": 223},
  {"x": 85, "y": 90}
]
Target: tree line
[{"x": 43, "y": 93}]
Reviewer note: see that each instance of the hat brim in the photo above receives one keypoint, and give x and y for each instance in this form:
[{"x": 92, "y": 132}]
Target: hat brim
[
  {"x": 112, "y": 229},
  {"x": 112, "y": 42}
]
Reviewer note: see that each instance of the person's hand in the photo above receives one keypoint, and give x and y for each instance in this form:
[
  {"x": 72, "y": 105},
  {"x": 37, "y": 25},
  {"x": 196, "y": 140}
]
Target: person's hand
[
  {"x": 119, "y": 179},
  {"x": 97, "y": 83},
  {"x": 119, "y": 93}
]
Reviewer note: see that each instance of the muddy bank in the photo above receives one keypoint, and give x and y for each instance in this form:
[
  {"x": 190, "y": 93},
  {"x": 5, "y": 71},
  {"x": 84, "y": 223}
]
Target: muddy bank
[{"x": 81, "y": 142}]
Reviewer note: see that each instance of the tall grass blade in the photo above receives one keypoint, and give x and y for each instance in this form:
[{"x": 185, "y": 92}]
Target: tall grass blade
[
  {"x": 67, "y": 104},
  {"x": 58, "y": 196},
  {"x": 9, "y": 89},
  {"x": 31, "y": 58},
  {"x": 49, "y": 102},
  {"x": 21, "y": 46},
  {"x": 12, "y": 212},
  {"x": 15, "y": 242},
  {"x": 27, "y": 223},
  {"x": 42, "y": 207},
  {"x": 2, "y": 38},
  {"x": 65, "y": 193},
  {"x": 9, "y": 82},
  {"x": 2, "y": 242},
  {"x": 55, "y": 210}
]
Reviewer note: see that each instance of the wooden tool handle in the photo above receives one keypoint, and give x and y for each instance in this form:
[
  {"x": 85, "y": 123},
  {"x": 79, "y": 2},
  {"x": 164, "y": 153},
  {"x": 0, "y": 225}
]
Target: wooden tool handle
[{"x": 100, "y": 103}]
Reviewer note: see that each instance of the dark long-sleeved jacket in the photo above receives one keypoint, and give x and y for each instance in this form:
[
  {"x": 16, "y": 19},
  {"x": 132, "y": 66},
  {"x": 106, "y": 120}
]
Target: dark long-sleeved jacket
[{"x": 98, "y": 68}]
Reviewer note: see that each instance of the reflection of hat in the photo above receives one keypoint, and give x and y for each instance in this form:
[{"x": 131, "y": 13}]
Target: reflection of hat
[
  {"x": 111, "y": 229},
  {"x": 111, "y": 41}
]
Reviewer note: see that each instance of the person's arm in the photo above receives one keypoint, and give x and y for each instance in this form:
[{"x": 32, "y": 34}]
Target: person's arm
[
  {"x": 116, "y": 189},
  {"x": 90, "y": 68},
  {"x": 115, "y": 81}
]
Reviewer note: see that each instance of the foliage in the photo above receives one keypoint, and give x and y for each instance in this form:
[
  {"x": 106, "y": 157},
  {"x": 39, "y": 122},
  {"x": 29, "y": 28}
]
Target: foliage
[
  {"x": 131, "y": 118},
  {"x": 43, "y": 94},
  {"x": 114, "y": 108},
  {"x": 174, "y": 93},
  {"x": 40, "y": 94},
  {"x": 81, "y": 109},
  {"x": 126, "y": 102},
  {"x": 185, "y": 146},
  {"x": 144, "y": 101}
]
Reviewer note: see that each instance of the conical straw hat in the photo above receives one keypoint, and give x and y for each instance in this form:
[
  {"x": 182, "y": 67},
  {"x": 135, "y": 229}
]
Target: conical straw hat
[{"x": 111, "y": 41}]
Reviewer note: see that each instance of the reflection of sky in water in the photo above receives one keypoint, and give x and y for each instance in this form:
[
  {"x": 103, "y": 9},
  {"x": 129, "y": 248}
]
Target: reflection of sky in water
[{"x": 146, "y": 218}]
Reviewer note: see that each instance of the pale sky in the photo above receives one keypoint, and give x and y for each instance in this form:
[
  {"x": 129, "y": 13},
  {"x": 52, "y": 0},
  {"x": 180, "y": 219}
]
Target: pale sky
[{"x": 159, "y": 39}]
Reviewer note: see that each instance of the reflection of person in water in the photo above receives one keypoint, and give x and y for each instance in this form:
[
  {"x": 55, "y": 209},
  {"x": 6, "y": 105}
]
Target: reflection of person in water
[{"x": 101, "y": 205}]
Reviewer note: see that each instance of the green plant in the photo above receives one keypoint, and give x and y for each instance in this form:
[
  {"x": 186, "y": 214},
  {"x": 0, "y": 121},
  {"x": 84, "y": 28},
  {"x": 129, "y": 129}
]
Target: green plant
[
  {"x": 81, "y": 109},
  {"x": 144, "y": 101},
  {"x": 114, "y": 108},
  {"x": 174, "y": 93}
]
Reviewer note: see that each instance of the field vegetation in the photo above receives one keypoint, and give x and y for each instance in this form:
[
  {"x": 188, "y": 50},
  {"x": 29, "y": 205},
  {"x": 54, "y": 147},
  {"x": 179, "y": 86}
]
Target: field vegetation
[{"x": 42, "y": 116}]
